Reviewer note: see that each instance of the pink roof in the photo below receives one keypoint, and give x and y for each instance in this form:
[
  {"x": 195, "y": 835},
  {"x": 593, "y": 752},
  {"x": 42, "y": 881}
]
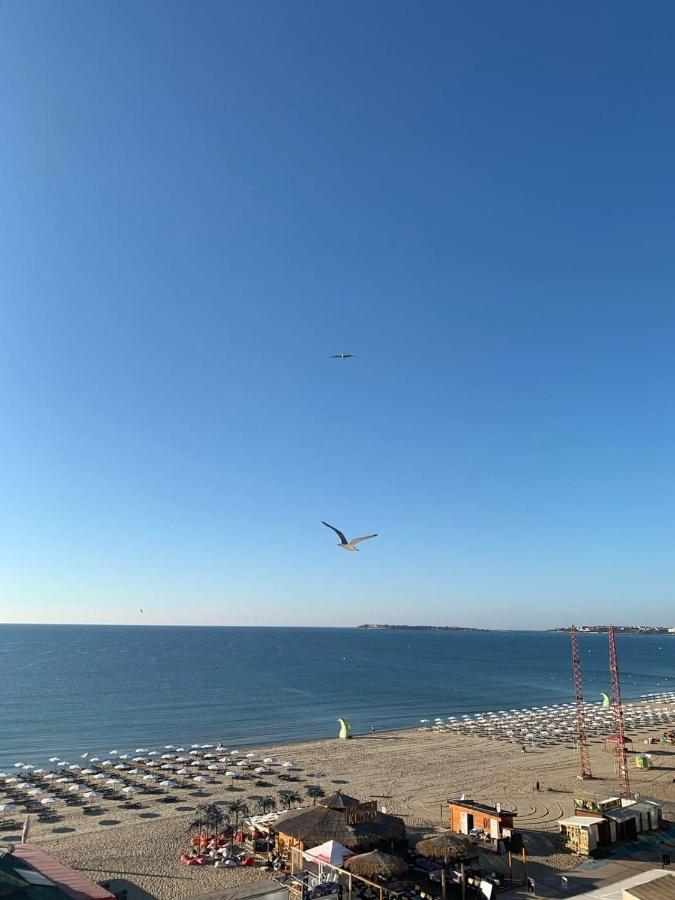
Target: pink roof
[{"x": 71, "y": 882}]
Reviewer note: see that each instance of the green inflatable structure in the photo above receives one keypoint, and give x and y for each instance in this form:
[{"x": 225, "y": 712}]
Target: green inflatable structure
[
  {"x": 345, "y": 729},
  {"x": 605, "y": 700}
]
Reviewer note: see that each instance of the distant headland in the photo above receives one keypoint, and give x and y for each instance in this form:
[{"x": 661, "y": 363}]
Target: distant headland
[
  {"x": 620, "y": 629},
  {"x": 419, "y": 628}
]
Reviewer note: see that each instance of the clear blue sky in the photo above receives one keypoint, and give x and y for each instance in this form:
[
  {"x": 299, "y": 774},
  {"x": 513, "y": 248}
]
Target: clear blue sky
[{"x": 201, "y": 202}]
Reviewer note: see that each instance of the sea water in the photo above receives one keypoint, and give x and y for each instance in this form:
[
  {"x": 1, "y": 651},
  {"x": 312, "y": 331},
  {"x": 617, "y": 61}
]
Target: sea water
[{"x": 66, "y": 690}]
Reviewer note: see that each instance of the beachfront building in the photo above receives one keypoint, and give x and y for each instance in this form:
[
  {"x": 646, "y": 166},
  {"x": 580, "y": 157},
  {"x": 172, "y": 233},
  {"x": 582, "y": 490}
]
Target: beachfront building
[
  {"x": 583, "y": 834},
  {"x": 469, "y": 817},
  {"x": 600, "y": 822},
  {"x": 657, "y": 888},
  {"x": 358, "y": 826},
  {"x": 35, "y": 875}
]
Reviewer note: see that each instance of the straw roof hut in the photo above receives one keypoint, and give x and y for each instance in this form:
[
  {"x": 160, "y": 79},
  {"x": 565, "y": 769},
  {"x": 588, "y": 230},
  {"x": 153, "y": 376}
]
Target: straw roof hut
[
  {"x": 375, "y": 863},
  {"x": 333, "y": 819}
]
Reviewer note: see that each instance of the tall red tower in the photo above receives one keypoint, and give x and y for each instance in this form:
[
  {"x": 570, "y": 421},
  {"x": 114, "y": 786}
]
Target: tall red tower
[
  {"x": 584, "y": 759},
  {"x": 619, "y": 735}
]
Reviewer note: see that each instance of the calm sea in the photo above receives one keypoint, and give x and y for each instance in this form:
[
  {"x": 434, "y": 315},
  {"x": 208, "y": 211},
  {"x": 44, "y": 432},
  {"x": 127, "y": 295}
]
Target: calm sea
[{"x": 70, "y": 689}]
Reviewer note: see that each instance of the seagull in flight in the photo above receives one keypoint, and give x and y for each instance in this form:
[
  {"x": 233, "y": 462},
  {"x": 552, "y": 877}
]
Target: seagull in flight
[
  {"x": 344, "y": 543},
  {"x": 343, "y": 356}
]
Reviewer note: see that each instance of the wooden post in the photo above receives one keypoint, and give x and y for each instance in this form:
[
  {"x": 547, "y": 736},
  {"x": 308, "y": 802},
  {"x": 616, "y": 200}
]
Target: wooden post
[
  {"x": 511, "y": 868},
  {"x": 349, "y": 889},
  {"x": 524, "y": 860},
  {"x": 463, "y": 881},
  {"x": 444, "y": 890}
]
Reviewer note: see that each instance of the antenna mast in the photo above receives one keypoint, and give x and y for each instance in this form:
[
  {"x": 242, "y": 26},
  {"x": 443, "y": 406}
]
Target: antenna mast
[
  {"x": 582, "y": 740},
  {"x": 621, "y": 757}
]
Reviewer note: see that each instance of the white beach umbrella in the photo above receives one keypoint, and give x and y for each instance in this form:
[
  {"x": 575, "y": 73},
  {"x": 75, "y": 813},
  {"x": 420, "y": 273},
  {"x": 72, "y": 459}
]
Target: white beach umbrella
[
  {"x": 88, "y": 772},
  {"x": 288, "y": 765},
  {"x": 35, "y": 792},
  {"x": 62, "y": 781},
  {"x": 195, "y": 745},
  {"x": 113, "y": 752},
  {"x": 206, "y": 746},
  {"x": 39, "y": 772},
  {"x": 107, "y": 762},
  {"x": 153, "y": 753},
  {"x": 92, "y": 795},
  {"x": 50, "y": 801},
  {"x": 23, "y": 784},
  {"x": 180, "y": 749},
  {"x": 74, "y": 768},
  {"x": 194, "y": 753},
  {"x": 139, "y": 759},
  {"x": 94, "y": 759},
  {"x": 11, "y": 780},
  {"x": 183, "y": 772},
  {"x": 168, "y": 756},
  {"x": 270, "y": 760},
  {"x": 201, "y": 778},
  {"x": 19, "y": 765},
  {"x": 168, "y": 784},
  {"x": 231, "y": 774},
  {"x": 234, "y": 752},
  {"x": 77, "y": 788},
  {"x": 27, "y": 767},
  {"x": 141, "y": 750},
  {"x": 131, "y": 789},
  {"x": 100, "y": 776},
  {"x": 214, "y": 768},
  {"x": 169, "y": 747},
  {"x": 120, "y": 766},
  {"x": 251, "y": 755},
  {"x": 243, "y": 764},
  {"x": 6, "y": 808},
  {"x": 49, "y": 777},
  {"x": 182, "y": 759},
  {"x": 152, "y": 764},
  {"x": 114, "y": 781},
  {"x": 149, "y": 778},
  {"x": 166, "y": 766},
  {"x": 133, "y": 771},
  {"x": 262, "y": 770},
  {"x": 53, "y": 759}
]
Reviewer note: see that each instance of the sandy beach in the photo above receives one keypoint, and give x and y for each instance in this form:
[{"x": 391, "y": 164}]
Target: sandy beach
[{"x": 410, "y": 772}]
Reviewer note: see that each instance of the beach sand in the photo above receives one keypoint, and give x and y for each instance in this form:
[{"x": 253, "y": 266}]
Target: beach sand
[{"x": 410, "y": 772}]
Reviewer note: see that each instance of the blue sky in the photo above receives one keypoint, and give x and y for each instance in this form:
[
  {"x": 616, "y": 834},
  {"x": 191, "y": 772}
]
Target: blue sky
[{"x": 202, "y": 202}]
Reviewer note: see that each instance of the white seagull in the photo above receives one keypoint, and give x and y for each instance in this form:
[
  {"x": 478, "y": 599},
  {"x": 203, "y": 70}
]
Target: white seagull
[
  {"x": 343, "y": 356},
  {"x": 344, "y": 543}
]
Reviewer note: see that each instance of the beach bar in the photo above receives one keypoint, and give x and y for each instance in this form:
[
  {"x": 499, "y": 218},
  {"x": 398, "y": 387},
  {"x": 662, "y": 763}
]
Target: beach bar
[{"x": 469, "y": 817}]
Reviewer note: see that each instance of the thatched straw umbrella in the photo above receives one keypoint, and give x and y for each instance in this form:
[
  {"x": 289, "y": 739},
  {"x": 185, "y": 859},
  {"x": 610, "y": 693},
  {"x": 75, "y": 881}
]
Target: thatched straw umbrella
[
  {"x": 449, "y": 848},
  {"x": 376, "y": 863}
]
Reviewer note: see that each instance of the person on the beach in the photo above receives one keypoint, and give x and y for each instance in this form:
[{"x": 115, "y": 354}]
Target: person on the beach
[
  {"x": 372, "y": 729},
  {"x": 524, "y": 750}
]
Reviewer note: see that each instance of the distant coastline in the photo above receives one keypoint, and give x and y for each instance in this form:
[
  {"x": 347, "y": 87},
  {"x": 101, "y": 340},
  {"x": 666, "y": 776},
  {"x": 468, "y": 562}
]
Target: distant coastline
[
  {"x": 419, "y": 628},
  {"x": 619, "y": 629}
]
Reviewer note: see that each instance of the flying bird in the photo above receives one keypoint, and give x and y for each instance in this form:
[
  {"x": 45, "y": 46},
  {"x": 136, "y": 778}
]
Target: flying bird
[
  {"x": 343, "y": 356},
  {"x": 344, "y": 543}
]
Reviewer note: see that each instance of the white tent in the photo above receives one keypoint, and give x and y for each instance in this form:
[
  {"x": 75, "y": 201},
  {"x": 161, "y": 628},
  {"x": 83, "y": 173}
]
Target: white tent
[{"x": 331, "y": 852}]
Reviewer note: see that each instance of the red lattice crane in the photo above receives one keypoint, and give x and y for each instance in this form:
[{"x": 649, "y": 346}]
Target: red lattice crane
[
  {"x": 582, "y": 740},
  {"x": 619, "y": 735}
]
